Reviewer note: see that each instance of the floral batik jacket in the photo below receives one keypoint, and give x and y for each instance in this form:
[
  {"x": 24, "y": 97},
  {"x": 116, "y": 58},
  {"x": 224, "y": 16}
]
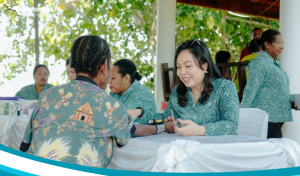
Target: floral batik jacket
[{"x": 77, "y": 123}]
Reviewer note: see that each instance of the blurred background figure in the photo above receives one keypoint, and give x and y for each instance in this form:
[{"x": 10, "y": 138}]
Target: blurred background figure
[
  {"x": 70, "y": 71},
  {"x": 32, "y": 92},
  {"x": 255, "y": 33},
  {"x": 255, "y": 48},
  {"x": 224, "y": 57}
]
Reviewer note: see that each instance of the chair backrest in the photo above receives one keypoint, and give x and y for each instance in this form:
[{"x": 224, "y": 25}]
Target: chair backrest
[
  {"x": 169, "y": 82},
  {"x": 241, "y": 74},
  {"x": 253, "y": 123}
]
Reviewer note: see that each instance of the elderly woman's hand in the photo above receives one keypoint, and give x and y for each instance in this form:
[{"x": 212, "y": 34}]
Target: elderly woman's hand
[
  {"x": 293, "y": 106},
  {"x": 190, "y": 128}
]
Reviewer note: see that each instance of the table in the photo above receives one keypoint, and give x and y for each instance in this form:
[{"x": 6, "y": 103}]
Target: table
[
  {"x": 173, "y": 153},
  {"x": 12, "y": 130}
]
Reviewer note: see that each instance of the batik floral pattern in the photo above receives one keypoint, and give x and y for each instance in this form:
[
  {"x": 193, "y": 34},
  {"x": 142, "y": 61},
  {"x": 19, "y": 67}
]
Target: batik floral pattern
[{"x": 77, "y": 130}]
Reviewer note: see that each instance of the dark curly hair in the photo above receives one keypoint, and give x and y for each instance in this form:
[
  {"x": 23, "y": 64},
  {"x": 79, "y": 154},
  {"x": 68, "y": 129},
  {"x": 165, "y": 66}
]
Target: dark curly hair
[
  {"x": 128, "y": 67},
  {"x": 200, "y": 52},
  {"x": 88, "y": 53}
]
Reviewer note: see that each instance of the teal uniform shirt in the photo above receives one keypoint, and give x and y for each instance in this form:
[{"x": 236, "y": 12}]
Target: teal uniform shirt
[
  {"x": 268, "y": 88},
  {"x": 135, "y": 96},
  {"x": 77, "y": 123},
  {"x": 29, "y": 92},
  {"x": 219, "y": 115}
]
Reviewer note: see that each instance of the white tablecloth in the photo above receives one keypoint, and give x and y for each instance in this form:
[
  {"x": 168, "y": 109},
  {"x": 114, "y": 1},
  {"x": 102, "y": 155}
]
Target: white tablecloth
[
  {"x": 12, "y": 130},
  {"x": 174, "y": 153}
]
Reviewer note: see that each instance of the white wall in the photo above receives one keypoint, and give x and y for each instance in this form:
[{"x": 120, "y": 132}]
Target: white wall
[
  {"x": 165, "y": 44},
  {"x": 290, "y": 58}
]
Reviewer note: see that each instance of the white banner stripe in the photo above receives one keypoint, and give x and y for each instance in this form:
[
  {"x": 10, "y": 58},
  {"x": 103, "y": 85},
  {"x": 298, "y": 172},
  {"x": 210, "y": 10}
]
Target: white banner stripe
[{"x": 38, "y": 168}]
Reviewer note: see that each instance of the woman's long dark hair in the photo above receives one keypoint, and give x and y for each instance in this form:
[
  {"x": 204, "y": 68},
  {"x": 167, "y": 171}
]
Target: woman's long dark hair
[{"x": 201, "y": 53}]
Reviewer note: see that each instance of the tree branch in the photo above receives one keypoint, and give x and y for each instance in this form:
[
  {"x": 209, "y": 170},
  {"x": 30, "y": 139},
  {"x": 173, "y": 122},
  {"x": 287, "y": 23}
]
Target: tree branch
[
  {"x": 26, "y": 43},
  {"x": 140, "y": 54},
  {"x": 249, "y": 22}
]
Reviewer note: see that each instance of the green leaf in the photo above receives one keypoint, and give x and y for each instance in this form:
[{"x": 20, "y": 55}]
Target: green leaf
[
  {"x": 45, "y": 63},
  {"x": 210, "y": 22}
]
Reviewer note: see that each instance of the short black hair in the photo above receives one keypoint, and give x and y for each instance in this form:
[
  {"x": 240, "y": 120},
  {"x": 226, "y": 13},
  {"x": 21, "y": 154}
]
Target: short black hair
[
  {"x": 88, "y": 54},
  {"x": 257, "y": 28},
  {"x": 222, "y": 57},
  {"x": 126, "y": 66},
  {"x": 268, "y": 36},
  {"x": 254, "y": 45},
  {"x": 39, "y": 65}
]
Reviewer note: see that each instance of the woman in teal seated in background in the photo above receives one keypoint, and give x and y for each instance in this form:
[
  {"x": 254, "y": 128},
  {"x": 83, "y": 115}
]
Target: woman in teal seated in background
[
  {"x": 203, "y": 102},
  {"x": 125, "y": 87},
  {"x": 32, "y": 92}
]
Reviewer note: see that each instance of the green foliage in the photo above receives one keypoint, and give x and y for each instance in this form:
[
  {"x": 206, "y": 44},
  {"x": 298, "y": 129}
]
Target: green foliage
[
  {"x": 128, "y": 25},
  {"x": 219, "y": 30}
]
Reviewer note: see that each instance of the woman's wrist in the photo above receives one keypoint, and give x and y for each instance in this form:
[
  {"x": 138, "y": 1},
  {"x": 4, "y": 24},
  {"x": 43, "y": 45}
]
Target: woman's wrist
[{"x": 201, "y": 130}]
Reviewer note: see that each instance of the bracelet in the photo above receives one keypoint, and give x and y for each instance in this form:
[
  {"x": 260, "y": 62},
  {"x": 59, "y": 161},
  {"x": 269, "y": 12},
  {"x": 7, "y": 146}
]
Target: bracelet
[
  {"x": 160, "y": 128},
  {"x": 142, "y": 113}
]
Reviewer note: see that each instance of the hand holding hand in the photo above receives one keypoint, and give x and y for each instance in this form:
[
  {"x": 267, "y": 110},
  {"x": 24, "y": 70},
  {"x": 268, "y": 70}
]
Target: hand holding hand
[
  {"x": 169, "y": 119},
  {"x": 169, "y": 126},
  {"x": 191, "y": 128}
]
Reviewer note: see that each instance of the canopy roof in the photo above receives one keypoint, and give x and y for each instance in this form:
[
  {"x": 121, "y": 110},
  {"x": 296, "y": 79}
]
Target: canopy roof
[{"x": 259, "y": 8}]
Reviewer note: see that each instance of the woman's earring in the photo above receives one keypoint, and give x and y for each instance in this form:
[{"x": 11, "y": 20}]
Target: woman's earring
[{"x": 206, "y": 71}]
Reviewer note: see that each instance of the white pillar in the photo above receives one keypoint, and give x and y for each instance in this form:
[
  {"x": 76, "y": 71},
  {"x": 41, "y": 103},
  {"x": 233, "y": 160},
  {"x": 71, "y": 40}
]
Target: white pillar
[
  {"x": 290, "y": 58},
  {"x": 165, "y": 43}
]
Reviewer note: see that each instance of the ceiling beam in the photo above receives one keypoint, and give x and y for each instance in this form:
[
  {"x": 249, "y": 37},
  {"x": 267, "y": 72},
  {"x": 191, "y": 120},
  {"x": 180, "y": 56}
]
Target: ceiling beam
[{"x": 238, "y": 6}]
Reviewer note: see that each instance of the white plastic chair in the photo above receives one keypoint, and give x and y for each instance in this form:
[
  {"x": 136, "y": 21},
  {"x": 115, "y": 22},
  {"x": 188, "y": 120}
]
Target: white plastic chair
[{"x": 253, "y": 123}]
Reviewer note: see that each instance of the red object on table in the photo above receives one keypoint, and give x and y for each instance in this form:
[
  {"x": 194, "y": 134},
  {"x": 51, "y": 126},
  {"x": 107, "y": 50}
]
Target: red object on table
[{"x": 164, "y": 105}]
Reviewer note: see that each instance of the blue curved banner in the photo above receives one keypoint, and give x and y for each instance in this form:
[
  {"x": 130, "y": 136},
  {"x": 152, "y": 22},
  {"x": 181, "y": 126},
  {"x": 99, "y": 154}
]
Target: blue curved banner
[{"x": 13, "y": 162}]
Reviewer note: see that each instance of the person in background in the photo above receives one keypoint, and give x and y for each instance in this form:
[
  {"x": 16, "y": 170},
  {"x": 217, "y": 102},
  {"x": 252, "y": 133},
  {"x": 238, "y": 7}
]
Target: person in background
[
  {"x": 223, "y": 57},
  {"x": 255, "y": 48},
  {"x": 255, "y": 33},
  {"x": 203, "y": 103},
  {"x": 70, "y": 71},
  {"x": 267, "y": 87},
  {"x": 125, "y": 87},
  {"x": 32, "y": 92}
]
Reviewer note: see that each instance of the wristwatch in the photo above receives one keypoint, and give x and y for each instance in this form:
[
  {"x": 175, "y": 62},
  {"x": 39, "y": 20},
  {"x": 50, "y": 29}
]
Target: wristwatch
[
  {"x": 160, "y": 128},
  {"x": 142, "y": 113}
]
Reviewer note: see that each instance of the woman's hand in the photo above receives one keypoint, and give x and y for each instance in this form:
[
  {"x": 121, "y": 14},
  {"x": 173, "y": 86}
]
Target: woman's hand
[
  {"x": 134, "y": 113},
  {"x": 293, "y": 106},
  {"x": 169, "y": 119},
  {"x": 191, "y": 128}
]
